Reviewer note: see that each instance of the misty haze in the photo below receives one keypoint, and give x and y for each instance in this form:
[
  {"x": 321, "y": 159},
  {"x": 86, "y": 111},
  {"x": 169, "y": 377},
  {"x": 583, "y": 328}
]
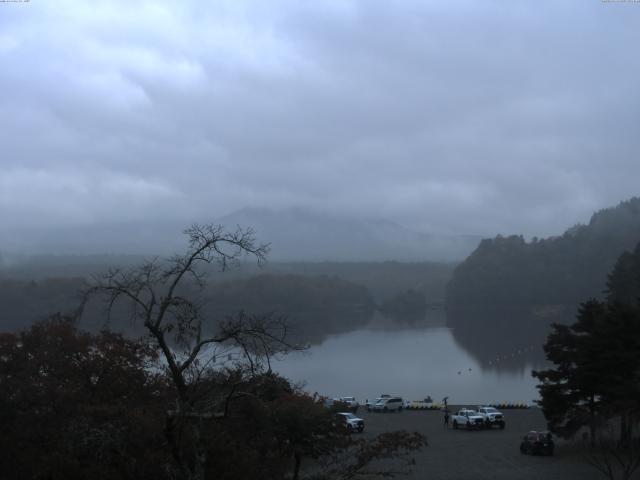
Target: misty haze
[{"x": 319, "y": 240}]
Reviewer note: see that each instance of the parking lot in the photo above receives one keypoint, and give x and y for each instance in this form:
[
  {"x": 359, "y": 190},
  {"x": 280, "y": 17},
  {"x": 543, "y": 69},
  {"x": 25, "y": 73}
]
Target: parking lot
[{"x": 484, "y": 454}]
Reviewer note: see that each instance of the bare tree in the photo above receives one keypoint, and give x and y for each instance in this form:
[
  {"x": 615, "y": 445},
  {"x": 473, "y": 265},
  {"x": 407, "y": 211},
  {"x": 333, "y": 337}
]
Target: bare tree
[{"x": 164, "y": 295}]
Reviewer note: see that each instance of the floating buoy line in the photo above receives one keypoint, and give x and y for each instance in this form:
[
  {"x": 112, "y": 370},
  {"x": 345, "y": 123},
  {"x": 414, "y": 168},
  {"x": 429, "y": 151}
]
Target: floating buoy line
[{"x": 516, "y": 353}]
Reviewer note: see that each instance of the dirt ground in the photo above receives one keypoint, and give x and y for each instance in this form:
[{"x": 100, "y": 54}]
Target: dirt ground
[{"x": 479, "y": 455}]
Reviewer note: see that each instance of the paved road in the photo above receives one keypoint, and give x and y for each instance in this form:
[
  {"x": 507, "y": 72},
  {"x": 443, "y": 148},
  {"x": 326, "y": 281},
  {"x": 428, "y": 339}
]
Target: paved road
[{"x": 482, "y": 455}]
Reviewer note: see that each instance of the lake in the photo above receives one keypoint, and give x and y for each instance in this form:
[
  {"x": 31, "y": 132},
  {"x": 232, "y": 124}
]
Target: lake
[{"x": 413, "y": 361}]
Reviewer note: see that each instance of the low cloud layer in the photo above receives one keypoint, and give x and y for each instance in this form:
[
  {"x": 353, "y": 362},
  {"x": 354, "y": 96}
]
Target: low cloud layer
[{"x": 458, "y": 117}]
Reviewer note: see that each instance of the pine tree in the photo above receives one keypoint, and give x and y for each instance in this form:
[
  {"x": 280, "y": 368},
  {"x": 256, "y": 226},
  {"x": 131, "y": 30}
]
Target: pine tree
[
  {"x": 596, "y": 373},
  {"x": 623, "y": 283},
  {"x": 571, "y": 392}
]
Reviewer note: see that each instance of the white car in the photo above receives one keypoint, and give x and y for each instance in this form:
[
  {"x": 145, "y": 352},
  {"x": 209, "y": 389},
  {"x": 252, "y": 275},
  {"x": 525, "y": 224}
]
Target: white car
[
  {"x": 469, "y": 419},
  {"x": 355, "y": 424},
  {"x": 491, "y": 417},
  {"x": 388, "y": 404},
  {"x": 370, "y": 405},
  {"x": 376, "y": 400}
]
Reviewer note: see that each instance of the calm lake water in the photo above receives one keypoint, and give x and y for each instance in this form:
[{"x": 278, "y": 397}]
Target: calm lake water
[{"x": 411, "y": 361}]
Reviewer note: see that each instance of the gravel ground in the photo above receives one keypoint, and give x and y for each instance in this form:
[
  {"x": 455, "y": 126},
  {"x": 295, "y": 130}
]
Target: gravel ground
[{"x": 478, "y": 455}]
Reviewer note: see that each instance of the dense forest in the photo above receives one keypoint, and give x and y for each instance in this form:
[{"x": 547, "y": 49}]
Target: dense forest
[
  {"x": 288, "y": 294},
  {"x": 317, "y": 298},
  {"x": 510, "y": 271},
  {"x": 322, "y": 303},
  {"x": 27, "y": 301},
  {"x": 383, "y": 279},
  {"x": 313, "y": 306}
]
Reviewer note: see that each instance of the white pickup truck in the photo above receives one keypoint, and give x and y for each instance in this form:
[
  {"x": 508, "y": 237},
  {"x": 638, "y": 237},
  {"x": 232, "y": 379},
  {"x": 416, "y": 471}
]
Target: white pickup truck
[
  {"x": 348, "y": 419},
  {"x": 469, "y": 419},
  {"x": 492, "y": 417},
  {"x": 351, "y": 402}
]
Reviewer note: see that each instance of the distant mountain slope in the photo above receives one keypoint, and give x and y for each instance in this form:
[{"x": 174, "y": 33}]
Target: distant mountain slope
[
  {"x": 508, "y": 271},
  {"x": 299, "y": 234},
  {"x": 295, "y": 234}
]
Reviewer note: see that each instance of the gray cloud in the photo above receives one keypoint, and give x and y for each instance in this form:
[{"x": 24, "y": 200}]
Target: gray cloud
[{"x": 461, "y": 116}]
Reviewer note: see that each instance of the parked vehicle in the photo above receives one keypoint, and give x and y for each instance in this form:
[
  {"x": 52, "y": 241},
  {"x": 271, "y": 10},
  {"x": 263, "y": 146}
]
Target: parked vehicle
[
  {"x": 469, "y": 419},
  {"x": 374, "y": 401},
  {"x": 492, "y": 417},
  {"x": 388, "y": 404},
  {"x": 340, "y": 405},
  {"x": 537, "y": 443},
  {"x": 355, "y": 424},
  {"x": 351, "y": 402},
  {"x": 424, "y": 404}
]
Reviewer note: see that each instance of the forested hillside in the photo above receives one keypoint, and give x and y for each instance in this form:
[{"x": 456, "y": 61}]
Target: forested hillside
[
  {"x": 289, "y": 294},
  {"x": 27, "y": 301},
  {"x": 329, "y": 302},
  {"x": 384, "y": 280},
  {"x": 509, "y": 271},
  {"x": 34, "y": 287}
]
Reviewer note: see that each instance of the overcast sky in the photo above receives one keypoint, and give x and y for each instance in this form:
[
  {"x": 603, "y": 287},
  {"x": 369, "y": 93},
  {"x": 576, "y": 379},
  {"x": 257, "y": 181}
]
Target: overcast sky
[{"x": 478, "y": 117}]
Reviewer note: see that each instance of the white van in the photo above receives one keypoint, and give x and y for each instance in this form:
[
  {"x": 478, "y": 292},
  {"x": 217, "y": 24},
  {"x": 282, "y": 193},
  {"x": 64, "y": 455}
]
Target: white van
[{"x": 390, "y": 404}]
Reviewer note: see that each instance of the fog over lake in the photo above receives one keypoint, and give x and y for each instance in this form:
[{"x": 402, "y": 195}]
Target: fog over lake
[{"x": 413, "y": 362}]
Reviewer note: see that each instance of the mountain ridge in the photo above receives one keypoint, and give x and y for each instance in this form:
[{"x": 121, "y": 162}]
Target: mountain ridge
[
  {"x": 301, "y": 234},
  {"x": 566, "y": 269}
]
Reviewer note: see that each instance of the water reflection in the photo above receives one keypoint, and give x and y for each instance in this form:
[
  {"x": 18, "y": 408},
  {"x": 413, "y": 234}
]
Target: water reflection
[
  {"x": 314, "y": 327},
  {"x": 419, "y": 358},
  {"x": 505, "y": 339}
]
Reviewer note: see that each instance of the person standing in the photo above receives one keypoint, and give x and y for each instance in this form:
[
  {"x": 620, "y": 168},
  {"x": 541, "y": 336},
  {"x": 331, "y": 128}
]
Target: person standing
[{"x": 446, "y": 412}]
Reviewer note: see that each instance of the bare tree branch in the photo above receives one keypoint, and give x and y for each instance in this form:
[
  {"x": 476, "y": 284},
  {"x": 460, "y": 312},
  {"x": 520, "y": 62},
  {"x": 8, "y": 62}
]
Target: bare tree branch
[{"x": 161, "y": 295}]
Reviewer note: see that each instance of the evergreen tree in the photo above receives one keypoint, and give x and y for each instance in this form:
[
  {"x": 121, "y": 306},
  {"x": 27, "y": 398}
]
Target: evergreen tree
[
  {"x": 596, "y": 373},
  {"x": 618, "y": 338},
  {"x": 623, "y": 283},
  {"x": 570, "y": 392}
]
